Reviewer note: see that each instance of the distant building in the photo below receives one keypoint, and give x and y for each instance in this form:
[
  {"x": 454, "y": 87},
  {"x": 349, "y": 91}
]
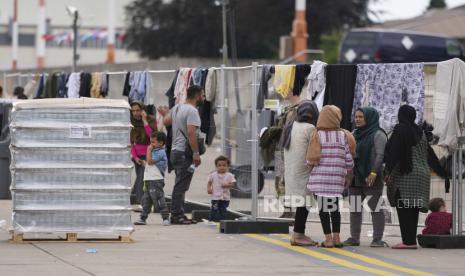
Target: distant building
[
  {"x": 450, "y": 22},
  {"x": 92, "y": 45}
]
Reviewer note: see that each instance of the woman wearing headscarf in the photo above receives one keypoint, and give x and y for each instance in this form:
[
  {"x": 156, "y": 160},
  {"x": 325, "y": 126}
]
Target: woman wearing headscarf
[
  {"x": 294, "y": 141},
  {"x": 408, "y": 175},
  {"x": 368, "y": 175},
  {"x": 142, "y": 127},
  {"x": 330, "y": 158}
]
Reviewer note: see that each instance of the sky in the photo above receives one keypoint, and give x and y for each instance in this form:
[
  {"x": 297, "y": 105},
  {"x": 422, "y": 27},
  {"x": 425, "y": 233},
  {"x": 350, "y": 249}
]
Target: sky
[
  {"x": 94, "y": 11},
  {"x": 403, "y": 9}
]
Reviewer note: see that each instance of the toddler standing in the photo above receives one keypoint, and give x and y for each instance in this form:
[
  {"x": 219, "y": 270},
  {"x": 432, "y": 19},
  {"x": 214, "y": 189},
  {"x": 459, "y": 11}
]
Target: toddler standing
[{"x": 219, "y": 184}]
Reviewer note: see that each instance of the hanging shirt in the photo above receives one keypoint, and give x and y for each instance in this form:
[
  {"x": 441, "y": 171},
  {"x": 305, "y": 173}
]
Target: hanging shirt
[
  {"x": 284, "y": 79},
  {"x": 316, "y": 83},
  {"x": 62, "y": 89},
  {"x": 84, "y": 88},
  {"x": 40, "y": 87},
  {"x": 450, "y": 127},
  {"x": 197, "y": 76},
  {"x": 127, "y": 86},
  {"x": 138, "y": 83},
  {"x": 182, "y": 83},
  {"x": 73, "y": 85}
]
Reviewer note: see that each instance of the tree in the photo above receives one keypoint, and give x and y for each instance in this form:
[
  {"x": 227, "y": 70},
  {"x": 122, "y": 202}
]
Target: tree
[
  {"x": 437, "y": 4},
  {"x": 188, "y": 28}
]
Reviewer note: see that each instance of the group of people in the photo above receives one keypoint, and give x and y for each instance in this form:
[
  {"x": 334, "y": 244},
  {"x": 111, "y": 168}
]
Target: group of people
[
  {"x": 149, "y": 154},
  {"x": 337, "y": 162}
]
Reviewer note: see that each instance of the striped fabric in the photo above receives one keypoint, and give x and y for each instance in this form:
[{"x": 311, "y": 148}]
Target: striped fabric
[{"x": 328, "y": 178}]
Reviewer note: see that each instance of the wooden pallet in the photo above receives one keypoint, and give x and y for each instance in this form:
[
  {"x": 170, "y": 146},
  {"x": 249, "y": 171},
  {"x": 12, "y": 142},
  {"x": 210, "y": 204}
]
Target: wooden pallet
[{"x": 70, "y": 237}]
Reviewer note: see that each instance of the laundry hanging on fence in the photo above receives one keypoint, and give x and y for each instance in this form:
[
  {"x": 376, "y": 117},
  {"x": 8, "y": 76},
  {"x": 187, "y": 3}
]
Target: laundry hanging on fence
[
  {"x": 316, "y": 83},
  {"x": 301, "y": 73},
  {"x": 40, "y": 87},
  {"x": 31, "y": 85},
  {"x": 340, "y": 83},
  {"x": 84, "y": 88},
  {"x": 263, "y": 88},
  {"x": 51, "y": 86},
  {"x": 62, "y": 89},
  {"x": 96, "y": 83},
  {"x": 170, "y": 92},
  {"x": 74, "y": 83},
  {"x": 197, "y": 76},
  {"x": 387, "y": 86},
  {"x": 138, "y": 84},
  {"x": 182, "y": 83},
  {"x": 284, "y": 76},
  {"x": 450, "y": 85},
  {"x": 105, "y": 84}
]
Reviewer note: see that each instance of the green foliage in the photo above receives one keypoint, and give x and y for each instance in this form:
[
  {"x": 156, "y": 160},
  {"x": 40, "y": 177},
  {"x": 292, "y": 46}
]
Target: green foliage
[
  {"x": 188, "y": 28},
  {"x": 437, "y": 4},
  {"x": 330, "y": 44}
]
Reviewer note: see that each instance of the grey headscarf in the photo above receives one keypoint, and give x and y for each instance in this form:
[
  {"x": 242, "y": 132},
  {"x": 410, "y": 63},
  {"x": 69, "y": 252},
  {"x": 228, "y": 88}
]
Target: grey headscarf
[{"x": 307, "y": 112}]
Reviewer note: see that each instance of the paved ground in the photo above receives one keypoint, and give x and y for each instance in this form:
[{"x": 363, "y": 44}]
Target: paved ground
[{"x": 200, "y": 250}]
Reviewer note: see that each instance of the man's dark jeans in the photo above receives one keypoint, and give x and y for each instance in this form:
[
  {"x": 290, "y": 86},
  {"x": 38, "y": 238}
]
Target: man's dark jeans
[{"x": 181, "y": 164}]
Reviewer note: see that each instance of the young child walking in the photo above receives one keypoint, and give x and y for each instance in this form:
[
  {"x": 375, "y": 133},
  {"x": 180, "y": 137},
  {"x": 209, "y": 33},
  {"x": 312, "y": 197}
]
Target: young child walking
[
  {"x": 219, "y": 184},
  {"x": 439, "y": 221},
  {"x": 154, "y": 175}
]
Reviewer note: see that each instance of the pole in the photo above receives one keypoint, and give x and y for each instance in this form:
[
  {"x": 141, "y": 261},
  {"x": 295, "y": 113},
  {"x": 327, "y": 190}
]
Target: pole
[
  {"x": 225, "y": 32},
  {"x": 40, "y": 38},
  {"x": 75, "y": 40},
  {"x": 454, "y": 193},
  {"x": 14, "y": 40},
  {"x": 459, "y": 190},
  {"x": 223, "y": 110},
  {"x": 299, "y": 30},
  {"x": 111, "y": 32},
  {"x": 254, "y": 141}
]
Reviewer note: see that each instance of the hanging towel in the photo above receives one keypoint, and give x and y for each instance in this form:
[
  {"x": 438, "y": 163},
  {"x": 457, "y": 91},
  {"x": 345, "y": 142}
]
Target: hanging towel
[
  {"x": 105, "y": 84},
  {"x": 84, "y": 88},
  {"x": 453, "y": 121},
  {"x": 95, "y": 85},
  {"x": 301, "y": 73},
  {"x": 263, "y": 88},
  {"x": 211, "y": 85},
  {"x": 340, "y": 83},
  {"x": 51, "y": 86},
  {"x": 284, "y": 79},
  {"x": 442, "y": 92},
  {"x": 316, "y": 83},
  {"x": 182, "y": 83},
  {"x": 74, "y": 83}
]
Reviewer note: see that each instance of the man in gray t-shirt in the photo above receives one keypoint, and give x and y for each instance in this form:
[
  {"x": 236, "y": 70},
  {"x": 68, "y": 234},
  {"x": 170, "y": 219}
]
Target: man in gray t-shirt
[
  {"x": 183, "y": 115},
  {"x": 185, "y": 122}
]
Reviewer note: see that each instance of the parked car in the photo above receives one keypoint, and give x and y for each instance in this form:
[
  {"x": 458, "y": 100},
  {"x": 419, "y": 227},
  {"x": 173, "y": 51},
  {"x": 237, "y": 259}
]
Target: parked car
[{"x": 393, "y": 46}]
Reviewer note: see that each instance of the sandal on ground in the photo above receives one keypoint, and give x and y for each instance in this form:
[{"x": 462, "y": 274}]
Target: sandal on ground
[
  {"x": 323, "y": 244},
  {"x": 339, "y": 245},
  {"x": 180, "y": 221},
  {"x": 404, "y": 246},
  {"x": 192, "y": 221},
  {"x": 294, "y": 242}
]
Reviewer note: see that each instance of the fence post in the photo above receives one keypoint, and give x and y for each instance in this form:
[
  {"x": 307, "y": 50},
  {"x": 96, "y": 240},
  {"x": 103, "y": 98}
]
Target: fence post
[
  {"x": 254, "y": 141},
  {"x": 223, "y": 110}
]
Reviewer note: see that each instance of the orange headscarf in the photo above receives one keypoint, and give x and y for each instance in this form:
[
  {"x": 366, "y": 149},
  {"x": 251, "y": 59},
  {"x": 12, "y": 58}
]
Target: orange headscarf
[{"x": 329, "y": 119}]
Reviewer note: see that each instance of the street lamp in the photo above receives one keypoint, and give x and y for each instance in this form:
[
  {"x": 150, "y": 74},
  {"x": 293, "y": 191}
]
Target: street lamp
[{"x": 73, "y": 12}]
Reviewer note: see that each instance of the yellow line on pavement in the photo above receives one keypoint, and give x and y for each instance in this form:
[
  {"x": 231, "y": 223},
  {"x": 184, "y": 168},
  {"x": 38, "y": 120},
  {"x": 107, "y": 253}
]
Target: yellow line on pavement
[
  {"x": 372, "y": 260},
  {"x": 319, "y": 255}
]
